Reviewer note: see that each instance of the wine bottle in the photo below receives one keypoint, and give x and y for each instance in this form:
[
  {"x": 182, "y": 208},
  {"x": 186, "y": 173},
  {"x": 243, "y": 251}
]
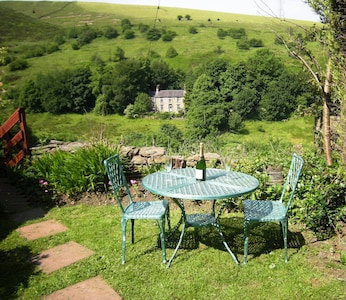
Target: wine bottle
[{"x": 201, "y": 166}]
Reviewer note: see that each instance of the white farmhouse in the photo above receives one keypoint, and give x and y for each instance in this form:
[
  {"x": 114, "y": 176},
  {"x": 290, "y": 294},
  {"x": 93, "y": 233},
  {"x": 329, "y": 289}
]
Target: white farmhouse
[{"x": 167, "y": 100}]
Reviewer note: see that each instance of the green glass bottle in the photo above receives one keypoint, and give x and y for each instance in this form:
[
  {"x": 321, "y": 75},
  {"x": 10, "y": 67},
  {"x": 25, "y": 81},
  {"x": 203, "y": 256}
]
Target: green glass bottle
[{"x": 201, "y": 166}]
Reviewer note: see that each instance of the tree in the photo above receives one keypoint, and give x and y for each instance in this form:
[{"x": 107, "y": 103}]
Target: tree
[
  {"x": 110, "y": 32},
  {"x": 171, "y": 52},
  {"x": 153, "y": 34},
  {"x": 179, "y": 17},
  {"x": 119, "y": 54},
  {"x": 221, "y": 34},
  {"x": 332, "y": 14},
  {"x": 142, "y": 104},
  {"x": 129, "y": 34},
  {"x": 122, "y": 83},
  {"x": 188, "y": 17},
  {"x": 208, "y": 113},
  {"x": 193, "y": 30},
  {"x": 126, "y": 24},
  {"x": 245, "y": 103}
]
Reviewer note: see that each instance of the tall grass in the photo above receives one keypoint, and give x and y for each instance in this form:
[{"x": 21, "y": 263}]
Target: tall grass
[{"x": 75, "y": 173}]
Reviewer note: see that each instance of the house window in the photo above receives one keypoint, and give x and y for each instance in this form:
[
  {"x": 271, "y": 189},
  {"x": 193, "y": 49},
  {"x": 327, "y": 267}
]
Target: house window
[
  {"x": 178, "y": 100},
  {"x": 170, "y": 107},
  {"x": 170, "y": 100},
  {"x": 161, "y": 107},
  {"x": 161, "y": 100}
]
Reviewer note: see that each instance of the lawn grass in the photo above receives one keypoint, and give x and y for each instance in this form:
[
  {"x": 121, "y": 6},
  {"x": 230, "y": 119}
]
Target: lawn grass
[{"x": 203, "y": 272}]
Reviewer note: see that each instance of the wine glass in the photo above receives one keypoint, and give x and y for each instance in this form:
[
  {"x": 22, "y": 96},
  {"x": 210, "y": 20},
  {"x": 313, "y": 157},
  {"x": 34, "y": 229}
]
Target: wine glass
[
  {"x": 226, "y": 161},
  {"x": 168, "y": 163}
]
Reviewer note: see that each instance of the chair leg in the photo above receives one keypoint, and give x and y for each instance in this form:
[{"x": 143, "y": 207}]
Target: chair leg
[
  {"x": 132, "y": 231},
  {"x": 246, "y": 239},
  {"x": 284, "y": 225},
  {"x": 168, "y": 217},
  {"x": 161, "y": 223},
  {"x": 123, "y": 245}
]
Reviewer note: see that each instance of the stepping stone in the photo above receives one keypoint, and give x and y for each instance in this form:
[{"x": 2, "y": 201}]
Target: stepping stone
[
  {"x": 42, "y": 229},
  {"x": 61, "y": 256},
  {"x": 94, "y": 288}
]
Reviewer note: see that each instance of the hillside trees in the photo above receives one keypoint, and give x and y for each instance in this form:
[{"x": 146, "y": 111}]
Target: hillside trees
[
  {"x": 62, "y": 92},
  {"x": 224, "y": 95}
]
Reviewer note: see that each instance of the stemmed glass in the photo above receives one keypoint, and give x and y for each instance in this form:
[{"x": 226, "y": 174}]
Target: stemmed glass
[
  {"x": 168, "y": 163},
  {"x": 226, "y": 161}
]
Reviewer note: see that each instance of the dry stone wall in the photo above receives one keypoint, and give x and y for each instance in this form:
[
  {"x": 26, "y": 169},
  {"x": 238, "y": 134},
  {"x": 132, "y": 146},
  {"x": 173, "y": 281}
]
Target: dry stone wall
[{"x": 138, "y": 156}]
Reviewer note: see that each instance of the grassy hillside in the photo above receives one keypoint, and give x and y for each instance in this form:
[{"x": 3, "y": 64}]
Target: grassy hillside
[{"x": 27, "y": 22}]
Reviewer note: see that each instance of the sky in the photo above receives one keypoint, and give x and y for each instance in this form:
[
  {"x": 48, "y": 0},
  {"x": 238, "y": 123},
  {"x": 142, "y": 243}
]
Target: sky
[{"x": 289, "y": 9}]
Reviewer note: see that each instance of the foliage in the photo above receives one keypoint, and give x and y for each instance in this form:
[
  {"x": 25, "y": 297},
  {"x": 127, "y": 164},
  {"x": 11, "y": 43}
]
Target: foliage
[
  {"x": 119, "y": 54},
  {"x": 153, "y": 34},
  {"x": 322, "y": 194},
  {"x": 193, "y": 30},
  {"x": 110, "y": 32},
  {"x": 171, "y": 52},
  {"x": 64, "y": 91},
  {"x": 170, "y": 137},
  {"x": 18, "y": 64},
  {"x": 74, "y": 173}
]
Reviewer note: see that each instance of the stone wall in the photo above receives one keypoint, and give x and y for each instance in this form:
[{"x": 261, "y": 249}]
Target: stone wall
[
  {"x": 137, "y": 156},
  {"x": 156, "y": 155}
]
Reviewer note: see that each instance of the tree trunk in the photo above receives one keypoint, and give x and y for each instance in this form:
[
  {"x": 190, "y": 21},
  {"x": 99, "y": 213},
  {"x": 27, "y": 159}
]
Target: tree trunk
[{"x": 326, "y": 116}]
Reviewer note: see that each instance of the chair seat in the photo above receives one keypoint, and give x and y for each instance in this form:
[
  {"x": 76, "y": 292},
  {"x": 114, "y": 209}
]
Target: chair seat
[
  {"x": 146, "y": 210},
  {"x": 264, "y": 210}
]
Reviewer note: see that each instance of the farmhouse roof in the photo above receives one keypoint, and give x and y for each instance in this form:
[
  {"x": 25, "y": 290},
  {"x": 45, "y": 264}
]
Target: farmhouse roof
[{"x": 169, "y": 93}]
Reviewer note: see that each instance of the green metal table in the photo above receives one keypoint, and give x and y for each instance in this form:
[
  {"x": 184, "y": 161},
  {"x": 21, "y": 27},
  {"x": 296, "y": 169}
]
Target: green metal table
[{"x": 180, "y": 184}]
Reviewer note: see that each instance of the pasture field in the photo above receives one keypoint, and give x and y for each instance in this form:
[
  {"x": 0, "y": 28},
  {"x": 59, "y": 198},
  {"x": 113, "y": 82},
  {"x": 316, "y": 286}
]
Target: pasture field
[{"x": 28, "y": 23}]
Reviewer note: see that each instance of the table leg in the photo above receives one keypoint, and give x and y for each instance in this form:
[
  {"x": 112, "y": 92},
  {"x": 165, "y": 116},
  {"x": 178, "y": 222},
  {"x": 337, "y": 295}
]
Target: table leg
[
  {"x": 225, "y": 243},
  {"x": 182, "y": 220}
]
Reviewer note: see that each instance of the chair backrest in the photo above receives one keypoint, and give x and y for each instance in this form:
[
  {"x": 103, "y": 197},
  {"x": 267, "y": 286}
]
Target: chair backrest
[
  {"x": 292, "y": 180},
  {"x": 117, "y": 178}
]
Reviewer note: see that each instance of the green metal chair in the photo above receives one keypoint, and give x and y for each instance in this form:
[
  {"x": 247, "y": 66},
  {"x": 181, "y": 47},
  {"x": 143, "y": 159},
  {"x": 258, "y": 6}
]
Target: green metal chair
[
  {"x": 273, "y": 211},
  {"x": 155, "y": 210}
]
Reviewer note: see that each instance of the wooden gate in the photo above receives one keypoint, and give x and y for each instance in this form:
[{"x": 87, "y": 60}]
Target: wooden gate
[{"x": 14, "y": 138}]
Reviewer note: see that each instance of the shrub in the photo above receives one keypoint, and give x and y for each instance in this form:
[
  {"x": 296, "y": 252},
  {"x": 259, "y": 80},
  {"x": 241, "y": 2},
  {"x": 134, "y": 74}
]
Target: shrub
[
  {"x": 193, "y": 30},
  {"x": 19, "y": 64},
  {"x": 129, "y": 34},
  {"x": 256, "y": 43},
  {"x": 74, "y": 173},
  {"x": 171, "y": 52},
  {"x": 153, "y": 34}
]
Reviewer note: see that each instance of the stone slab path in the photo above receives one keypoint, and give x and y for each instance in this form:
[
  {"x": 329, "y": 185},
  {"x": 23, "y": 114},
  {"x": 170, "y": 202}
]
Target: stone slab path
[
  {"x": 42, "y": 229},
  {"x": 94, "y": 288},
  {"x": 60, "y": 256},
  {"x": 50, "y": 260}
]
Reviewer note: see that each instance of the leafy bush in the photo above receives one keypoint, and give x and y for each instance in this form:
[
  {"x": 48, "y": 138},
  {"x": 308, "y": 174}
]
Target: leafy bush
[
  {"x": 193, "y": 30},
  {"x": 171, "y": 52},
  {"x": 322, "y": 194},
  {"x": 153, "y": 34},
  {"x": 237, "y": 33},
  {"x": 74, "y": 173},
  {"x": 19, "y": 64}
]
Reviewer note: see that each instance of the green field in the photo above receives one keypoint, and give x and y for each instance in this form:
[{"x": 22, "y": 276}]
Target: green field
[
  {"x": 24, "y": 24},
  {"x": 28, "y": 22}
]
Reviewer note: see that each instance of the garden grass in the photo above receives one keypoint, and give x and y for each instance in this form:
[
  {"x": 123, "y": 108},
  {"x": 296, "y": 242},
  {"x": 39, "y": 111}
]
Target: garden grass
[{"x": 205, "y": 272}]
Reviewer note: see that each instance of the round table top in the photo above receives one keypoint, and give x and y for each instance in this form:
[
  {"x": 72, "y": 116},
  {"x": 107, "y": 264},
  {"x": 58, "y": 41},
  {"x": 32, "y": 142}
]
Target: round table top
[{"x": 182, "y": 184}]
